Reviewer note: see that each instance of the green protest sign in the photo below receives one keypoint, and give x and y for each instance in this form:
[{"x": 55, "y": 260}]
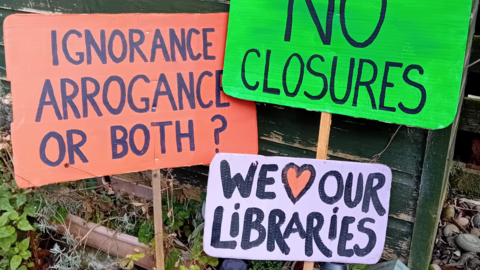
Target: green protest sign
[{"x": 398, "y": 61}]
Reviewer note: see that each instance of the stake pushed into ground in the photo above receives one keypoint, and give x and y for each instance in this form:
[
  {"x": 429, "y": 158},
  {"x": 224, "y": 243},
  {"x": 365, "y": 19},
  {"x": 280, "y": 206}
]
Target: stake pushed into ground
[
  {"x": 322, "y": 151},
  {"x": 157, "y": 204}
]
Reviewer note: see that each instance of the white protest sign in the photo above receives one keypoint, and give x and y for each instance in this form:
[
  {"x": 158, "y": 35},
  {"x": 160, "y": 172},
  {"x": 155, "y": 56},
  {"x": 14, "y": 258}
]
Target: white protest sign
[{"x": 296, "y": 209}]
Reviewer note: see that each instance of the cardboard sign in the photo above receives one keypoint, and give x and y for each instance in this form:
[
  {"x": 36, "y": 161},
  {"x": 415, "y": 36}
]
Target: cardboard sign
[
  {"x": 296, "y": 209},
  {"x": 398, "y": 61},
  {"x": 106, "y": 94}
]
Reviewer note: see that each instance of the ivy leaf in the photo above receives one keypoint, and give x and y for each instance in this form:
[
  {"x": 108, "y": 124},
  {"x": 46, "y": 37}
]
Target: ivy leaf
[
  {"x": 123, "y": 263},
  {"x": 6, "y": 242},
  {"x": 60, "y": 215},
  {"x": 172, "y": 259},
  {"x": 13, "y": 215},
  {"x": 24, "y": 244},
  {"x": 6, "y": 231},
  {"x": 183, "y": 214},
  {"x": 5, "y": 205},
  {"x": 23, "y": 267},
  {"x": 194, "y": 267},
  {"x": 203, "y": 260},
  {"x": 181, "y": 267},
  {"x": 24, "y": 225},
  {"x": 145, "y": 233},
  {"x": 4, "y": 219},
  {"x": 30, "y": 210},
  {"x": 26, "y": 254},
  {"x": 15, "y": 262},
  {"x": 21, "y": 199},
  {"x": 138, "y": 256},
  {"x": 5, "y": 193},
  {"x": 212, "y": 261},
  {"x": 30, "y": 264}
]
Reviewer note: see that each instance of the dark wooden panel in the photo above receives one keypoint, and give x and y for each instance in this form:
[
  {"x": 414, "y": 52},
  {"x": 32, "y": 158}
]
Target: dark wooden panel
[
  {"x": 116, "y": 6},
  {"x": 470, "y": 116},
  {"x": 3, "y": 71},
  {"x": 5, "y": 87},
  {"x": 3, "y": 14},
  {"x": 398, "y": 242},
  {"x": 351, "y": 138},
  {"x": 475, "y": 55}
]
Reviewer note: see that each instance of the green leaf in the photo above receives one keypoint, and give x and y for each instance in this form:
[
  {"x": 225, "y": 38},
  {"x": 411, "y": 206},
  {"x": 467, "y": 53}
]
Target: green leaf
[
  {"x": 203, "y": 260},
  {"x": 6, "y": 242},
  {"x": 30, "y": 210},
  {"x": 23, "y": 267},
  {"x": 183, "y": 214},
  {"x": 181, "y": 267},
  {"x": 212, "y": 261},
  {"x": 172, "y": 259},
  {"x": 26, "y": 254},
  {"x": 15, "y": 262},
  {"x": 13, "y": 215},
  {"x": 30, "y": 264},
  {"x": 5, "y": 193},
  {"x": 24, "y": 244},
  {"x": 21, "y": 199},
  {"x": 91, "y": 184},
  {"x": 194, "y": 267},
  {"x": 123, "y": 263},
  {"x": 145, "y": 233},
  {"x": 137, "y": 256},
  {"x": 4, "y": 219},
  {"x": 24, "y": 225},
  {"x": 5, "y": 205},
  {"x": 60, "y": 215},
  {"x": 6, "y": 231}
]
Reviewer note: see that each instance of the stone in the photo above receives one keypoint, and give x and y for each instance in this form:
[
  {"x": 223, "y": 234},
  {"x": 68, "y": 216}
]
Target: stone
[
  {"x": 475, "y": 232},
  {"x": 449, "y": 229},
  {"x": 468, "y": 242},
  {"x": 463, "y": 221}
]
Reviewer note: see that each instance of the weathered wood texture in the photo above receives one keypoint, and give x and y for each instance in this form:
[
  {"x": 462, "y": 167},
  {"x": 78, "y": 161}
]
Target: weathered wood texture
[
  {"x": 470, "y": 116},
  {"x": 293, "y": 132},
  {"x": 435, "y": 175}
]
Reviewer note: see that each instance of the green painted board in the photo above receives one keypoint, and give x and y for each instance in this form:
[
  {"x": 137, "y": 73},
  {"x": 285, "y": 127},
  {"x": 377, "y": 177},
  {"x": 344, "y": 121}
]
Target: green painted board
[{"x": 399, "y": 62}]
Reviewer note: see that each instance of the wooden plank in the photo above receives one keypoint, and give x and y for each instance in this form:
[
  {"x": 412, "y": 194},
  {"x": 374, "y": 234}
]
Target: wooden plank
[
  {"x": 3, "y": 71},
  {"x": 475, "y": 55},
  {"x": 351, "y": 138},
  {"x": 116, "y": 6},
  {"x": 324, "y": 135},
  {"x": 322, "y": 152},
  {"x": 5, "y": 86},
  {"x": 436, "y": 171},
  {"x": 398, "y": 241},
  {"x": 157, "y": 218},
  {"x": 470, "y": 116},
  {"x": 430, "y": 197},
  {"x": 3, "y": 15}
]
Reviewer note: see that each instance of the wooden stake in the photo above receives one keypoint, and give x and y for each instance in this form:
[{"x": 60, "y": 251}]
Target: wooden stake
[
  {"x": 322, "y": 152},
  {"x": 157, "y": 206}
]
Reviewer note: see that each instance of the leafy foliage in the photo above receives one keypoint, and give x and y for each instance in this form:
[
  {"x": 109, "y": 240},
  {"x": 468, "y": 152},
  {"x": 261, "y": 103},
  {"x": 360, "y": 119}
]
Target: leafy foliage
[
  {"x": 264, "y": 265},
  {"x": 358, "y": 267},
  {"x": 184, "y": 224},
  {"x": 17, "y": 212}
]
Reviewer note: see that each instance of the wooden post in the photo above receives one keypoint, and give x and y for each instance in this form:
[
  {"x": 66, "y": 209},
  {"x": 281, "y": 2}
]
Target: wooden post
[
  {"x": 158, "y": 221},
  {"x": 322, "y": 151}
]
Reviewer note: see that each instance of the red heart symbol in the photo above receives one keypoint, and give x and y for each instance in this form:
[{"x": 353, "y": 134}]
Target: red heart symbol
[
  {"x": 297, "y": 180},
  {"x": 297, "y": 184}
]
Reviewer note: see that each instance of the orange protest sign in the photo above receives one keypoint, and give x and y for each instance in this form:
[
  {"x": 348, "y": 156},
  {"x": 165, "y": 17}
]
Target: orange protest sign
[{"x": 105, "y": 94}]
